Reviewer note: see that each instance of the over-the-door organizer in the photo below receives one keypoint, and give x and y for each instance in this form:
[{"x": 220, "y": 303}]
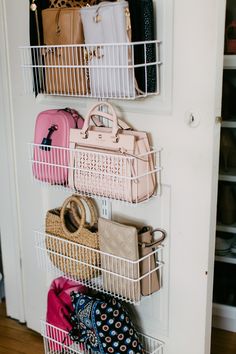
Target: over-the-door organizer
[
  {"x": 94, "y": 52},
  {"x": 83, "y": 56},
  {"x": 116, "y": 163},
  {"x": 119, "y": 260}
]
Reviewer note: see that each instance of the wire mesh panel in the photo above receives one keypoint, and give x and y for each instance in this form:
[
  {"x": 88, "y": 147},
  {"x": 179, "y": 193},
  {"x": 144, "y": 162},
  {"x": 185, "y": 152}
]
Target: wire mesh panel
[
  {"x": 57, "y": 341},
  {"x": 99, "y": 71},
  {"x": 120, "y": 277},
  {"x": 119, "y": 176}
]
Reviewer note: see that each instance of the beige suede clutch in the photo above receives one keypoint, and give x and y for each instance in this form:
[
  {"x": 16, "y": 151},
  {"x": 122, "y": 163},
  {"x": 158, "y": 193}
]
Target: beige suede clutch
[{"x": 120, "y": 273}]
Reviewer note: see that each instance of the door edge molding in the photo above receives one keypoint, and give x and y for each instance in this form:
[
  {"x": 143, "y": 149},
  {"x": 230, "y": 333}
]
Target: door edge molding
[{"x": 9, "y": 208}]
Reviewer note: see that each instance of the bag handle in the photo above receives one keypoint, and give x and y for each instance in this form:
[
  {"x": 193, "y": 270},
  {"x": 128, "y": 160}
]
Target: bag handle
[
  {"x": 94, "y": 111},
  {"x": 57, "y": 18},
  {"x": 77, "y": 201},
  {"x": 75, "y": 115},
  {"x": 121, "y": 124},
  {"x": 156, "y": 243},
  {"x": 92, "y": 208}
]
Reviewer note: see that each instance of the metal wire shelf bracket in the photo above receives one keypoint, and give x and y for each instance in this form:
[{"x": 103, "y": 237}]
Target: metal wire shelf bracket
[
  {"x": 57, "y": 341},
  {"x": 96, "y": 70},
  {"x": 98, "y": 174},
  {"x": 101, "y": 271},
  {"x": 106, "y": 208}
]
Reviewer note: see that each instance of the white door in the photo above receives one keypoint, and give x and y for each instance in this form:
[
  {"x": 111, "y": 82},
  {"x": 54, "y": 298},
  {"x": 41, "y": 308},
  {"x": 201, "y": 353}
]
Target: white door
[{"x": 182, "y": 121}]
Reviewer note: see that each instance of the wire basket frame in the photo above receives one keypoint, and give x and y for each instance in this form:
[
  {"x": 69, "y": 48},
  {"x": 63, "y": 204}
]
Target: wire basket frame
[
  {"x": 56, "y": 338},
  {"x": 98, "y": 174},
  {"x": 101, "y": 271},
  {"x": 96, "y": 70}
]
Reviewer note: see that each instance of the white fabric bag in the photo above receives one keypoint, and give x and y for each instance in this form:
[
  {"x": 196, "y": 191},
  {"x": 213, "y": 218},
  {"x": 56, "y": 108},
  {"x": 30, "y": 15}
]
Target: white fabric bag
[{"x": 107, "y": 33}]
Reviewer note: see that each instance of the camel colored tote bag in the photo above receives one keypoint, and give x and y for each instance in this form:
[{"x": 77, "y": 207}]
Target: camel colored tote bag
[{"x": 64, "y": 74}]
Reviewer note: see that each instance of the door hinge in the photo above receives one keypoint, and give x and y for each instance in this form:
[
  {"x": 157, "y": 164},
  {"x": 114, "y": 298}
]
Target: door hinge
[{"x": 219, "y": 120}]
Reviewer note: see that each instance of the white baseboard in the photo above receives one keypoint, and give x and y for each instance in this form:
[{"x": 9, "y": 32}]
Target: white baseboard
[{"x": 224, "y": 317}]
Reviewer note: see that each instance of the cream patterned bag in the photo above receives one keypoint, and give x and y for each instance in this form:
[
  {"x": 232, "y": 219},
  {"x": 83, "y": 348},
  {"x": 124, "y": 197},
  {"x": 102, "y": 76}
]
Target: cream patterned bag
[{"x": 111, "y": 162}]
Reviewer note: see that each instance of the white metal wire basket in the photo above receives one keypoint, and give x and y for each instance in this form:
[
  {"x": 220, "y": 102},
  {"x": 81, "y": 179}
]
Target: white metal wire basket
[
  {"x": 97, "y": 174},
  {"x": 99, "y": 70},
  {"x": 117, "y": 276},
  {"x": 55, "y": 338}
]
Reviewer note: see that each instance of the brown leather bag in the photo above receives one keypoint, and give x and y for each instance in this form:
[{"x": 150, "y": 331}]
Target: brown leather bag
[
  {"x": 151, "y": 282},
  {"x": 63, "y": 26}
]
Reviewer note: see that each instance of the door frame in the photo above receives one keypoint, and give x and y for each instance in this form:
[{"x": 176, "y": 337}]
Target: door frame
[
  {"x": 9, "y": 206},
  {"x": 220, "y": 34}
]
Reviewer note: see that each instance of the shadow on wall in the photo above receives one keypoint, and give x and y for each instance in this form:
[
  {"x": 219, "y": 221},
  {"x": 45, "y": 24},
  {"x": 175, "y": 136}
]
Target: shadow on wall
[{"x": 2, "y": 292}]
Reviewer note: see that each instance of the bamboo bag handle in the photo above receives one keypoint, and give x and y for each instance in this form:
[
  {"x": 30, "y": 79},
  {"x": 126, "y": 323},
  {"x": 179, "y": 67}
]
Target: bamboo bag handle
[
  {"x": 79, "y": 204},
  {"x": 92, "y": 208}
]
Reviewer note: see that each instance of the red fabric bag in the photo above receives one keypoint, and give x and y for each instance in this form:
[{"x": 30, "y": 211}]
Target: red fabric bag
[{"x": 59, "y": 309}]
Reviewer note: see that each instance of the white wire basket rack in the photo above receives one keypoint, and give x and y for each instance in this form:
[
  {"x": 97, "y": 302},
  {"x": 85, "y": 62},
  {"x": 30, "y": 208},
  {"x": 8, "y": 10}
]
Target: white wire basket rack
[
  {"x": 120, "y": 277},
  {"x": 127, "y": 178},
  {"x": 120, "y": 71},
  {"x": 57, "y": 341}
]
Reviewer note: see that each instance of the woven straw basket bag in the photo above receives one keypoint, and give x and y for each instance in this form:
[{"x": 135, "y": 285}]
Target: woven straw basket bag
[{"x": 72, "y": 247}]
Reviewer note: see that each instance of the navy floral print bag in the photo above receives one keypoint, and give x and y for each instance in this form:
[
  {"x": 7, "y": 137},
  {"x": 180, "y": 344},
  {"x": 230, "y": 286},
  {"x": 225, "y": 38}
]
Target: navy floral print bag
[{"x": 103, "y": 325}]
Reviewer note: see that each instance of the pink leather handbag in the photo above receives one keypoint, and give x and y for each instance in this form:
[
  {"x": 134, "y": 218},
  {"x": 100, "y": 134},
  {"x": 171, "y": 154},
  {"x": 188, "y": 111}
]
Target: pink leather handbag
[
  {"x": 51, "y": 137},
  {"x": 111, "y": 162}
]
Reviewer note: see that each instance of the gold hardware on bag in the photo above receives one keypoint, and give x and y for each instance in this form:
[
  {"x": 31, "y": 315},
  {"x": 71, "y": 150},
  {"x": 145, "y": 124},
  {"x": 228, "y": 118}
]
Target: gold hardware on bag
[
  {"x": 97, "y": 18},
  {"x": 33, "y": 6}
]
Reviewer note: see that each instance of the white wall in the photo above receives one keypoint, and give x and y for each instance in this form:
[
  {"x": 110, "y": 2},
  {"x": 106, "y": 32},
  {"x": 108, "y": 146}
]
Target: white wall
[{"x": 180, "y": 314}]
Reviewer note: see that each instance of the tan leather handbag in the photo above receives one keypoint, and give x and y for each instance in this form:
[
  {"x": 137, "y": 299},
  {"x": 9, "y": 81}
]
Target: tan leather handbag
[
  {"x": 111, "y": 162},
  {"x": 147, "y": 245},
  {"x": 63, "y": 26},
  {"x": 66, "y": 224}
]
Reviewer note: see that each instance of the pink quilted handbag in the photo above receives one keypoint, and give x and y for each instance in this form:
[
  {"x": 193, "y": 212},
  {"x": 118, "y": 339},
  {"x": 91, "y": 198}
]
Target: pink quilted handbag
[
  {"x": 111, "y": 162},
  {"x": 51, "y": 137}
]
